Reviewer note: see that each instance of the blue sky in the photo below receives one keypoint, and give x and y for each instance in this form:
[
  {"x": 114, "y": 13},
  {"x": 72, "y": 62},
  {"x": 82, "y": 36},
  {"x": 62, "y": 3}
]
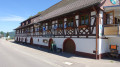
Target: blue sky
[{"x": 12, "y": 12}]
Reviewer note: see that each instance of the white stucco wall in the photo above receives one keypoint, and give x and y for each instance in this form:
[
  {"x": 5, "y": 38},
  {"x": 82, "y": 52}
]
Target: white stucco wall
[
  {"x": 85, "y": 45},
  {"x": 103, "y": 46},
  {"x": 59, "y": 42},
  {"x": 28, "y": 39},
  {"x": 114, "y": 41},
  {"x": 40, "y": 42},
  {"x": 82, "y": 44},
  {"x": 23, "y": 39}
]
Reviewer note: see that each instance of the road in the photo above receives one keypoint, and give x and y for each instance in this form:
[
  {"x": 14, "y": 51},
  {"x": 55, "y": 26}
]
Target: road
[
  {"x": 12, "y": 57},
  {"x": 15, "y": 55}
]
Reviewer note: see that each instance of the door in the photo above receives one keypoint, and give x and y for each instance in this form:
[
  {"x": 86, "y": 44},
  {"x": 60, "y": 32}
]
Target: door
[
  {"x": 31, "y": 41},
  {"x": 25, "y": 40},
  {"x": 69, "y": 46},
  {"x": 50, "y": 42}
]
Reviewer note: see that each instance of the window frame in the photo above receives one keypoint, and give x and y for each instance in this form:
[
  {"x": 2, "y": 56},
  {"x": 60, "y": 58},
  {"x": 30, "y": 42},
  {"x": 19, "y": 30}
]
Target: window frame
[
  {"x": 70, "y": 21},
  {"x": 84, "y": 15},
  {"x": 112, "y": 15},
  {"x": 60, "y": 23}
]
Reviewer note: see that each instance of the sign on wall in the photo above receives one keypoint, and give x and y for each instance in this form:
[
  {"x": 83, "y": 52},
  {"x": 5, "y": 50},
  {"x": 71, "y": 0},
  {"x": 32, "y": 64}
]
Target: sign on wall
[
  {"x": 45, "y": 41},
  {"x": 115, "y": 2}
]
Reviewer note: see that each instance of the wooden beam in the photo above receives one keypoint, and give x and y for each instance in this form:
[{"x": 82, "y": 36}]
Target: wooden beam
[{"x": 97, "y": 25}]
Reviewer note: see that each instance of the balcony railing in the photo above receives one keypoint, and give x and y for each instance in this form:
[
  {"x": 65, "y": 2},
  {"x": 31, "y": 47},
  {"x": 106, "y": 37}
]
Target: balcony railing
[
  {"x": 62, "y": 32},
  {"x": 111, "y": 30}
]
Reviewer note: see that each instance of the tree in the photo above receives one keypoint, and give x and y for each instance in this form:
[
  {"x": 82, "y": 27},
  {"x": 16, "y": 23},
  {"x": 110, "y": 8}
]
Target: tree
[
  {"x": 7, "y": 34},
  {"x": 30, "y": 16},
  {"x": 2, "y": 33},
  {"x": 39, "y": 12}
]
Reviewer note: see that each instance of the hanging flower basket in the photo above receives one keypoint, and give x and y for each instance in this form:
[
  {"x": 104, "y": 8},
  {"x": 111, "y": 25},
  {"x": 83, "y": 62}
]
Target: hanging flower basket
[
  {"x": 48, "y": 30},
  {"x": 68, "y": 28},
  {"x": 58, "y": 29},
  {"x": 83, "y": 26}
]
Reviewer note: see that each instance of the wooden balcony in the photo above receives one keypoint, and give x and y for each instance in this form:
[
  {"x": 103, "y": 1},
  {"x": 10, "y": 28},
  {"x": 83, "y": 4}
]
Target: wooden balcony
[{"x": 112, "y": 30}]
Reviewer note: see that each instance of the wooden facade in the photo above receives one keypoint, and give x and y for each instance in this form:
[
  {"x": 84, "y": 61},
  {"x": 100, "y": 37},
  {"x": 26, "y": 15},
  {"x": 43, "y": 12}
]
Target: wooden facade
[{"x": 75, "y": 24}]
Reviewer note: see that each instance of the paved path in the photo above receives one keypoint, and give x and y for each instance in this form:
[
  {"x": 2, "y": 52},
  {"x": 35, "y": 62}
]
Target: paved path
[{"x": 15, "y": 55}]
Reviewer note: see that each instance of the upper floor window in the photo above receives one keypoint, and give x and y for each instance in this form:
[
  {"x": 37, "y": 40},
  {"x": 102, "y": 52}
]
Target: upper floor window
[
  {"x": 40, "y": 27},
  {"x": 29, "y": 21},
  {"x": 110, "y": 17},
  {"x": 60, "y": 24},
  {"x": 36, "y": 29},
  {"x": 49, "y": 25},
  {"x": 31, "y": 30},
  {"x": 70, "y": 22},
  {"x": 84, "y": 20},
  {"x": 26, "y": 22}
]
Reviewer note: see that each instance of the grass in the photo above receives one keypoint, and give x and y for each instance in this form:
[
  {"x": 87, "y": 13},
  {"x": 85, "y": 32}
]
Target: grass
[{"x": 112, "y": 61}]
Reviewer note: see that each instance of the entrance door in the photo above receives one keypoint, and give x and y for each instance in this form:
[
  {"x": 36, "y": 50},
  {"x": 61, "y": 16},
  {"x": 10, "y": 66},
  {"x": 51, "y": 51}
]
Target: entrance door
[
  {"x": 31, "y": 41},
  {"x": 17, "y": 39},
  {"x": 25, "y": 40},
  {"x": 50, "y": 42},
  {"x": 69, "y": 46}
]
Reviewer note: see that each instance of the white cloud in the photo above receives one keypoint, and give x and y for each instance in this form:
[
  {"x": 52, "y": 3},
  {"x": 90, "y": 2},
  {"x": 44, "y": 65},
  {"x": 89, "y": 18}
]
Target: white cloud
[{"x": 12, "y": 18}]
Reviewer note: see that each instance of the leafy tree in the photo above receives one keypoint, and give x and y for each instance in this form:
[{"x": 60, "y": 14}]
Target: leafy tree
[
  {"x": 7, "y": 34},
  {"x": 39, "y": 12},
  {"x": 2, "y": 33},
  {"x": 30, "y": 16}
]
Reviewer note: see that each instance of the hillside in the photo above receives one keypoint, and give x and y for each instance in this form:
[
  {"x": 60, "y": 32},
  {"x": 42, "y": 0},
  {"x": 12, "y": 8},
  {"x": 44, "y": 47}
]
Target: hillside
[{"x": 11, "y": 34}]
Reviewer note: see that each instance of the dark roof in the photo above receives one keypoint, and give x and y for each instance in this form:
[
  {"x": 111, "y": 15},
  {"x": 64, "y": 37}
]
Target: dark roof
[
  {"x": 24, "y": 26},
  {"x": 32, "y": 17},
  {"x": 66, "y": 6},
  {"x": 63, "y": 7}
]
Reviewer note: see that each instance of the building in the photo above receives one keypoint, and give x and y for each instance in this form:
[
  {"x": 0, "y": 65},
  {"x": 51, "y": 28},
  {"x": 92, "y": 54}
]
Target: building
[{"x": 82, "y": 27}]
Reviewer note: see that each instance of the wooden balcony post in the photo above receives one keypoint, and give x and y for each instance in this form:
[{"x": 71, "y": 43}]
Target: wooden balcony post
[{"x": 97, "y": 25}]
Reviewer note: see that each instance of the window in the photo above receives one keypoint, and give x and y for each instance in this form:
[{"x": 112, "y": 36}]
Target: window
[
  {"x": 60, "y": 24},
  {"x": 31, "y": 29},
  {"x": 49, "y": 25},
  {"x": 55, "y": 24},
  {"x": 44, "y": 25},
  {"x": 82, "y": 20},
  {"x": 110, "y": 18},
  {"x": 70, "y": 22},
  {"x": 36, "y": 29},
  {"x": 40, "y": 27},
  {"x": 29, "y": 21},
  {"x": 85, "y": 20}
]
